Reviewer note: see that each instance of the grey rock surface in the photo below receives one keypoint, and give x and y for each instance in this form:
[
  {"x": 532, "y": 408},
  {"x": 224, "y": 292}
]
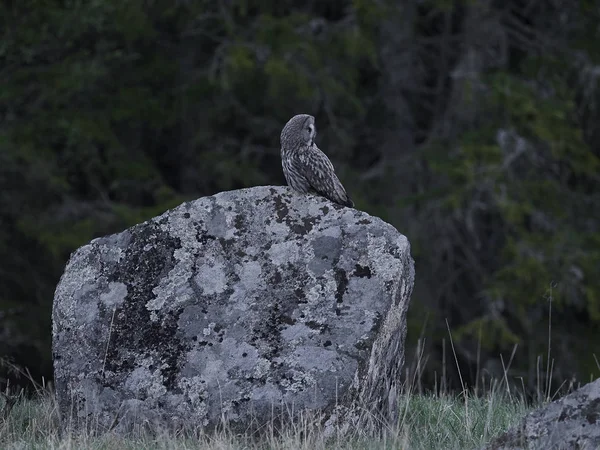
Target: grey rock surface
[
  {"x": 572, "y": 422},
  {"x": 236, "y": 307}
]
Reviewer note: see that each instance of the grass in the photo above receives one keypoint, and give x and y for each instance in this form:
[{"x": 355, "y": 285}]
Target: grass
[{"x": 426, "y": 421}]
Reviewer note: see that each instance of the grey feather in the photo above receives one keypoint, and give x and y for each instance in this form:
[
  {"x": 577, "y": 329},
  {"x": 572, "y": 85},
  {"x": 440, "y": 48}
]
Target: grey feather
[{"x": 305, "y": 167}]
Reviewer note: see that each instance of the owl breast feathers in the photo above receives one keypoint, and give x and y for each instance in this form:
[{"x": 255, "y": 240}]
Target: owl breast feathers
[{"x": 305, "y": 167}]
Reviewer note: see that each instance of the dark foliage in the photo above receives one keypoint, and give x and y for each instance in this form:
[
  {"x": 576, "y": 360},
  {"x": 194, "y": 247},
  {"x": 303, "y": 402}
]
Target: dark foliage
[{"x": 470, "y": 126}]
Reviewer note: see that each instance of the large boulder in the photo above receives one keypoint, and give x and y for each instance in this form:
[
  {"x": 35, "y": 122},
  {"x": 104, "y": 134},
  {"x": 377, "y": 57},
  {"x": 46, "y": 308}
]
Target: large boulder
[
  {"x": 572, "y": 422},
  {"x": 236, "y": 307}
]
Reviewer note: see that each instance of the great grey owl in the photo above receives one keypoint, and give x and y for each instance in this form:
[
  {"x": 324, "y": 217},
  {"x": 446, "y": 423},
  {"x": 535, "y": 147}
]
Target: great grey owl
[{"x": 306, "y": 168}]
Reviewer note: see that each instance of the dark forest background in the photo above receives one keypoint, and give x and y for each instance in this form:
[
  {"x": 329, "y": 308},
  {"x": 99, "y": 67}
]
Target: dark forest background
[{"x": 471, "y": 126}]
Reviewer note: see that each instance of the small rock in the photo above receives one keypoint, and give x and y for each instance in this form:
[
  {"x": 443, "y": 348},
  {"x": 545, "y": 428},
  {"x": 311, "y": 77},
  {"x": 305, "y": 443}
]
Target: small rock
[{"x": 572, "y": 422}]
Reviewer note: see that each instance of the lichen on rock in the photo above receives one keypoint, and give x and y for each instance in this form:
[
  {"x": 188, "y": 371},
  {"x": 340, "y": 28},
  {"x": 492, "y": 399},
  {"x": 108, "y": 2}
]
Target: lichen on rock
[
  {"x": 236, "y": 306},
  {"x": 571, "y": 422}
]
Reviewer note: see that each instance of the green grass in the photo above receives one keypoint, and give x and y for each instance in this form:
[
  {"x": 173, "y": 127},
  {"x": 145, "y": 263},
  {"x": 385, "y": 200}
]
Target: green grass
[{"x": 425, "y": 422}]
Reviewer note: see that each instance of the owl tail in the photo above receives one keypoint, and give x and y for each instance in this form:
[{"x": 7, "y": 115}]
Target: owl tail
[{"x": 340, "y": 194}]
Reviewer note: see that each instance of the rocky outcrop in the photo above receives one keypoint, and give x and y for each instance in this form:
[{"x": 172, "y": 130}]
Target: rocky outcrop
[
  {"x": 572, "y": 422},
  {"x": 244, "y": 306}
]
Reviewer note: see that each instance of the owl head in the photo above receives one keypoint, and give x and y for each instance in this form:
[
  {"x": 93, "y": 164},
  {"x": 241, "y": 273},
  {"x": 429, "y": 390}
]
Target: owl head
[{"x": 300, "y": 131}]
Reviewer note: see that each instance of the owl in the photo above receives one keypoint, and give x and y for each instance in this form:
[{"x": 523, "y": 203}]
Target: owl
[{"x": 305, "y": 166}]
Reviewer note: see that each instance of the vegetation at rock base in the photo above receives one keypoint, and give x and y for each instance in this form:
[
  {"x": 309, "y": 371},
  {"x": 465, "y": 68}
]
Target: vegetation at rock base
[
  {"x": 427, "y": 422},
  {"x": 470, "y": 126}
]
